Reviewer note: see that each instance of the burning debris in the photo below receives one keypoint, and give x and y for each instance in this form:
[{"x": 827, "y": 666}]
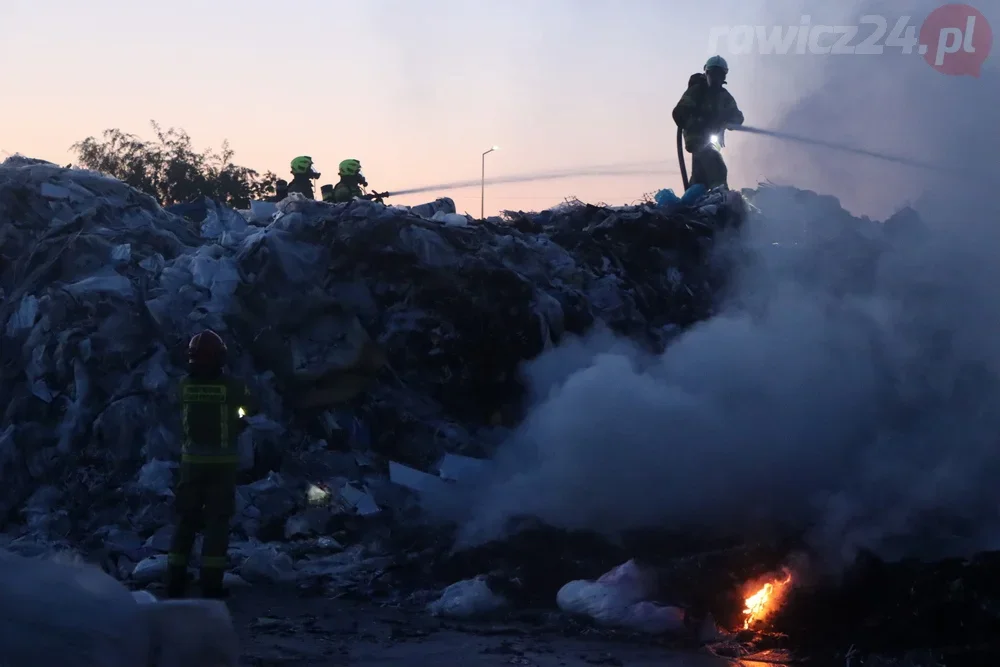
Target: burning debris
[{"x": 765, "y": 600}]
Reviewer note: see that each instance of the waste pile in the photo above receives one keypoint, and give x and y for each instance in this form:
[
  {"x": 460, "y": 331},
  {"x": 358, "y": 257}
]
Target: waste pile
[
  {"x": 384, "y": 347},
  {"x": 369, "y": 334}
]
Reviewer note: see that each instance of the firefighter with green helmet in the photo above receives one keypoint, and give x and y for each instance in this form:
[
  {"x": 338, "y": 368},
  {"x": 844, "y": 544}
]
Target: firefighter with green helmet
[
  {"x": 351, "y": 184},
  {"x": 303, "y": 175},
  {"x": 704, "y": 112},
  {"x": 213, "y": 410}
]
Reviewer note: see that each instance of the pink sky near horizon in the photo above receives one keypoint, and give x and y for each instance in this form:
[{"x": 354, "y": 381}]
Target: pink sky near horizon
[{"x": 416, "y": 89}]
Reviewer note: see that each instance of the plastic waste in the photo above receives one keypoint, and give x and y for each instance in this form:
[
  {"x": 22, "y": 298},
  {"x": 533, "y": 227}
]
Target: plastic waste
[
  {"x": 150, "y": 569},
  {"x": 451, "y": 219},
  {"x": 194, "y": 210},
  {"x": 692, "y": 194},
  {"x": 666, "y": 197},
  {"x": 261, "y": 212},
  {"x": 467, "y": 599},
  {"x": 442, "y": 205},
  {"x": 619, "y": 599}
]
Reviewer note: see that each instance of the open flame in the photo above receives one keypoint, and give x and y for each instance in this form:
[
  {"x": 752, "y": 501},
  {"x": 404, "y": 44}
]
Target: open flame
[{"x": 765, "y": 600}]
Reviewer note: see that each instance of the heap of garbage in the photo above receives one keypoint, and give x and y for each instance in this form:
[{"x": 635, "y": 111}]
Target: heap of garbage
[
  {"x": 368, "y": 333},
  {"x": 384, "y": 345}
]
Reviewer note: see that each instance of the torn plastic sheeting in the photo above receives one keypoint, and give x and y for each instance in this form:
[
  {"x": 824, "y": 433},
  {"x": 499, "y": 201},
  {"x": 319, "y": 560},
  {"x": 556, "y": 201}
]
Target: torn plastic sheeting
[
  {"x": 429, "y": 247},
  {"x": 358, "y": 500},
  {"x": 224, "y": 285},
  {"x": 413, "y": 479},
  {"x": 150, "y": 569},
  {"x": 52, "y": 191},
  {"x": 208, "y": 271},
  {"x": 122, "y": 252},
  {"x": 221, "y": 220},
  {"x": 262, "y": 211},
  {"x": 25, "y": 315},
  {"x": 154, "y": 263},
  {"x": 331, "y": 343},
  {"x": 109, "y": 283},
  {"x": 174, "y": 277},
  {"x": 457, "y": 468},
  {"x": 265, "y": 424},
  {"x": 298, "y": 262},
  {"x": 157, "y": 477},
  {"x": 41, "y": 391},
  {"x": 159, "y": 309},
  {"x": 266, "y": 564},
  {"x": 155, "y": 378}
]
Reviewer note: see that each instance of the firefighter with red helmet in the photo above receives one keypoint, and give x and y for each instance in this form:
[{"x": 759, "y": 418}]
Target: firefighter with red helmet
[{"x": 213, "y": 408}]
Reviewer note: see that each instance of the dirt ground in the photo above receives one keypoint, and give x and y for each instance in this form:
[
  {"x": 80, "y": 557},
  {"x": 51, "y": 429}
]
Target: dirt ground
[{"x": 281, "y": 627}]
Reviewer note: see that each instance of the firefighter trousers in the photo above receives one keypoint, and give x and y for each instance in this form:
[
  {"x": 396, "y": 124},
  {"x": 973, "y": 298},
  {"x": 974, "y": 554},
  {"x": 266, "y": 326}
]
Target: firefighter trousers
[
  {"x": 709, "y": 168},
  {"x": 205, "y": 499}
]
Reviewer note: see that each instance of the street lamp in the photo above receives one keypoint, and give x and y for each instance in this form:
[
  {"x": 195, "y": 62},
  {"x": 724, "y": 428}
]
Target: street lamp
[{"x": 482, "y": 189}]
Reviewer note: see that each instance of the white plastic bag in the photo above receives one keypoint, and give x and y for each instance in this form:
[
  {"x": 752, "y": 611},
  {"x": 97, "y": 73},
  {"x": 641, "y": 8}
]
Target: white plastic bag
[
  {"x": 619, "y": 599},
  {"x": 467, "y": 599}
]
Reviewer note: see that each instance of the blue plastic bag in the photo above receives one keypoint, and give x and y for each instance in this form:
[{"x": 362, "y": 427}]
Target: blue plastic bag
[
  {"x": 693, "y": 194},
  {"x": 666, "y": 198}
]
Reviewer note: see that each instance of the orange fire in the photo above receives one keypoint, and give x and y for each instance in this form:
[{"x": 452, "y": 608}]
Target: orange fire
[{"x": 765, "y": 600}]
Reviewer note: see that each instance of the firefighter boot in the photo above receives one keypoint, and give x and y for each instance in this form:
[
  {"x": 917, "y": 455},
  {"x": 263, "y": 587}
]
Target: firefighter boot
[{"x": 176, "y": 581}]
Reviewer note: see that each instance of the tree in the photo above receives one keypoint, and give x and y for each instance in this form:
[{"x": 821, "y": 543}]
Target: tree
[{"x": 170, "y": 170}]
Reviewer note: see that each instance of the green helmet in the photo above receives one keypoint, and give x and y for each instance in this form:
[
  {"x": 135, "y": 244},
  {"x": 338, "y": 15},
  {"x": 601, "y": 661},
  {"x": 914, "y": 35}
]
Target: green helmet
[
  {"x": 350, "y": 168},
  {"x": 717, "y": 61},
  {"x": 302, "y": 164}
]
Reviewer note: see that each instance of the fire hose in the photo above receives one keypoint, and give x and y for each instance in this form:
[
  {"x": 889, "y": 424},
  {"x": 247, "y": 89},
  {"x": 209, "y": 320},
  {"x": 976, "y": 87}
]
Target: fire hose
[
  {"x": 680, "y": 158},
  {"x": 378, "y": 197}
]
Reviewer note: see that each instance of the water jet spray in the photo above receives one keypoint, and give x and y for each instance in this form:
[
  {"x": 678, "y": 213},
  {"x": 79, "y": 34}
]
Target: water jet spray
[
  {"x": 624, "y": 169},
  {"x": 846, "y": 148}
]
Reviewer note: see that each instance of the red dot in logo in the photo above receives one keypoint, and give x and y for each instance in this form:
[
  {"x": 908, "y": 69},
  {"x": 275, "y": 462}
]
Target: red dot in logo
[{"x": 956, "y": 39}]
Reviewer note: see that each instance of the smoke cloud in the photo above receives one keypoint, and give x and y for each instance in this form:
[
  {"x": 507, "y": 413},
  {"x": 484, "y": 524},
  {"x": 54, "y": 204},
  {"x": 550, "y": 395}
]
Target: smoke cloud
[{"x": 849, "y": 387}]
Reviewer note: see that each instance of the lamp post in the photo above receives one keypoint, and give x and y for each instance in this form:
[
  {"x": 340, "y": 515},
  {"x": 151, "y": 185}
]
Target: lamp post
[{"x": 482, "y": 188}]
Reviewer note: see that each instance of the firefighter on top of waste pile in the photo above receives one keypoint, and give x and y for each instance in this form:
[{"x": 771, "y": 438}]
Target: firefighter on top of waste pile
[
  {"x": 302, "y": 176},
  {"x": 704, "y": 111},
  {"x": 351, "y": 184},
  {"x": 213, "y": 410}
]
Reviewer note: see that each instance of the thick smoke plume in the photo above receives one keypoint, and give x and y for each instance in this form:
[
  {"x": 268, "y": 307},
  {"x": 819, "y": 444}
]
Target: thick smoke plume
[{"x": 847, "y": 390}]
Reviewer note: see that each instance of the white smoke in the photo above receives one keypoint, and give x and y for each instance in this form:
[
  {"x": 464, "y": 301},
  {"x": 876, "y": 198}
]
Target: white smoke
[{"x": 863, "y": 409}]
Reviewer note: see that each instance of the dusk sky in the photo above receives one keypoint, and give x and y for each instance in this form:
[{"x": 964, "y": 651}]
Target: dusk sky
[{"x": 418, "y": 89}]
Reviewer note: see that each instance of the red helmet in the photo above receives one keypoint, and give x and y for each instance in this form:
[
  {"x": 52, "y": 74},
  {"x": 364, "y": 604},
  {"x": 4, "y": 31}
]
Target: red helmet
[{"x": 207, "y": 349}]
